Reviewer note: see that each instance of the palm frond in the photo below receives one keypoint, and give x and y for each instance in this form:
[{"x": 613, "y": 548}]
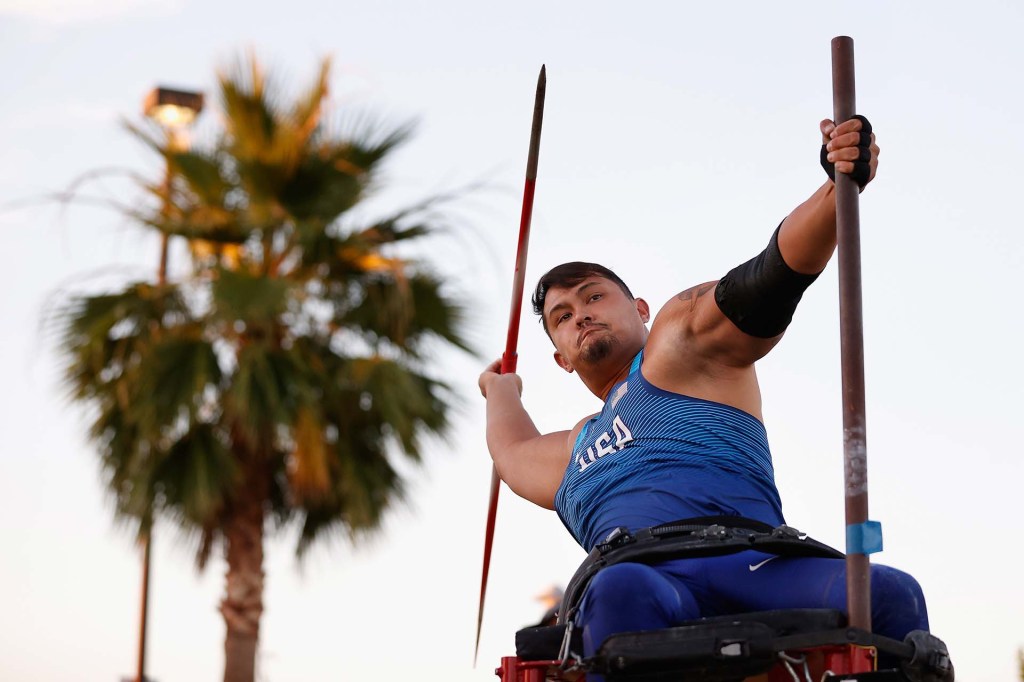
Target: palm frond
[
  {"x": 202, "y": 174},
  {"x": 322, "y": 187},
  {"x": 403, "y": 401},
  {"x": 248, "y": 117},
  {"x": 260, "y": 397},
  {"x": 197, "y": 475},
  {"x": 366, "y": 489},
  {"x": 307, "y": 110},
  {"x": 172, "y": 381},
  {"x": 254, "y": 300},
  {"x": 371, "y": 146},
  {"x": 308, "y": 470},
  {"x": 106, "y": 335}
]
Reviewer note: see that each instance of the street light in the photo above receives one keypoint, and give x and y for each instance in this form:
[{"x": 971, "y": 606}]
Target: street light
[{"x": 174, "y": 110}]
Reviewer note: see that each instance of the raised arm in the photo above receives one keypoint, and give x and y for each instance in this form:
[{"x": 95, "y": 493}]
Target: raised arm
[
  {"x": 738, "y": 319},
  {"x": 808, "y": 235},
  {"x": 531, "y": 464}
]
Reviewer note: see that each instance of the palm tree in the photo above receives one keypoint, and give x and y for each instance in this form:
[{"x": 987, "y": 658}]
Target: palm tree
[{"x": 276, "y": 383}]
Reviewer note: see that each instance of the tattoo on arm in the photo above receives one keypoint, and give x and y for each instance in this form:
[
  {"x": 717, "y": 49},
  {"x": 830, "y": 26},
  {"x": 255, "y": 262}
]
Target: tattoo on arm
[{"x": 693, "y": 293}]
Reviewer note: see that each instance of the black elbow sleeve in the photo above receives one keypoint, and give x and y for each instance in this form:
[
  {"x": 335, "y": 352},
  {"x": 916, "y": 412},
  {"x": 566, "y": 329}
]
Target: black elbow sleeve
[{"x": 761, "y": 295}]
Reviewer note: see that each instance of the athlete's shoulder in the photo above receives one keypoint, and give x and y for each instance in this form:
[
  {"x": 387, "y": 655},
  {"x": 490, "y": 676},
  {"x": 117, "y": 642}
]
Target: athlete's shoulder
[
  {"x": 687, "y": 311},
  {"x": 574, "y": 434}
]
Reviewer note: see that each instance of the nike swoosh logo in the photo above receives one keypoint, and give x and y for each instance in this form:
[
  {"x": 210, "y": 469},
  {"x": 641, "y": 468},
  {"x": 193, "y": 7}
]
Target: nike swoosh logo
[{"x": 754, "y": 567}]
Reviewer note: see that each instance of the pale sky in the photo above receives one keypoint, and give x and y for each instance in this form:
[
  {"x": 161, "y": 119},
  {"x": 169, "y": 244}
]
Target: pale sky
[{"x": 676, "y": 137}]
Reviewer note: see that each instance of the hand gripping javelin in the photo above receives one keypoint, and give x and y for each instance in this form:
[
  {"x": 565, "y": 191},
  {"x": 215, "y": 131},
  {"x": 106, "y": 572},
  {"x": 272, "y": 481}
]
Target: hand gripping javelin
[{"x": 508, "y": 359}]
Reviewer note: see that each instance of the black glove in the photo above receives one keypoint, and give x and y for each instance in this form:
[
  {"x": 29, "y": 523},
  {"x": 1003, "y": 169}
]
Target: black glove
[{"x": 861, "y": 168}]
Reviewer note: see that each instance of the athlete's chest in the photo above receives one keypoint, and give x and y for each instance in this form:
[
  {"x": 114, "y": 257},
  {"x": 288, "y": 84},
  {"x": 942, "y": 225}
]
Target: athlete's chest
[{"x": 616, "y": 429}]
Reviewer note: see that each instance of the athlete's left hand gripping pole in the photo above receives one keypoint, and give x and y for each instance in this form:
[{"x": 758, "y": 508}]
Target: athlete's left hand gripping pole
[{"x": 508, "y": 359}]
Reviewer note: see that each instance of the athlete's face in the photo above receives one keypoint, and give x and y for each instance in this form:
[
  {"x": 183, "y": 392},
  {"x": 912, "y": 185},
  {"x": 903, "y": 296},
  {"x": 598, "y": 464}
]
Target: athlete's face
[{"x": 594, "y": 321}]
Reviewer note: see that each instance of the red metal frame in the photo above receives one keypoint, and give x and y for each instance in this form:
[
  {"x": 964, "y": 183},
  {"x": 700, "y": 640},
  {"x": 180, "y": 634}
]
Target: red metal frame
[{"x": 839, "y": 659}]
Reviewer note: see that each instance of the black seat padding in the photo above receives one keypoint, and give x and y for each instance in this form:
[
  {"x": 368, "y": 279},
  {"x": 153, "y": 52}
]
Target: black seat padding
[
  {"x": 693, "y": 639},
  {"x": 544, "y": 643},
  {"x": 719, "y": 649}
]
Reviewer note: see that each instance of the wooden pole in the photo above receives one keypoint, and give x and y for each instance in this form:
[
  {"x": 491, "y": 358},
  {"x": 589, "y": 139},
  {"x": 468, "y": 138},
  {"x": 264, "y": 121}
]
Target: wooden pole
[
  {"x": 140, "y": 670},
  {"x": 851, "y": 329},
  {"x": 509, "y": 357},
  {"x": 175, "y": 141}
]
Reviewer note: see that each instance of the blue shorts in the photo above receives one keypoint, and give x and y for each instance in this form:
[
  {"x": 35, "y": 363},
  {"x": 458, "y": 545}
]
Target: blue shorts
[{"x": 629, "y": 596}]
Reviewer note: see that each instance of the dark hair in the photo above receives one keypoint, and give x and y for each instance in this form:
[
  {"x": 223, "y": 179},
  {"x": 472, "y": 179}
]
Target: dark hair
[{"x": 569, "y": 275}]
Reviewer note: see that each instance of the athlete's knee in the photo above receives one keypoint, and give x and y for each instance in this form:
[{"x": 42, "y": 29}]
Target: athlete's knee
[
  {"x": 627, "y": 597},
  {"x": 637, "y": 596},
  {"x": 893, "y": 585},
  {"x": 898, "y": 602},
  {"x": 624, "y": 588}
]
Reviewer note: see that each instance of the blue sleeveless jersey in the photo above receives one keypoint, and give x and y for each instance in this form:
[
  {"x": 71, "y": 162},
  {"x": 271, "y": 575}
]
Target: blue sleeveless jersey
[{"x": 653, "y": 456}]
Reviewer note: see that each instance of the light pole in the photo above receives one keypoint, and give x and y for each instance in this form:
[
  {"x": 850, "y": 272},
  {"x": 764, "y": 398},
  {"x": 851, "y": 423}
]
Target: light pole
[{"x": 174, "y": 110}]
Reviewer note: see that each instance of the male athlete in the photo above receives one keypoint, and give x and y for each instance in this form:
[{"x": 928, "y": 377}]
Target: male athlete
[{"x": 681, "y": 433}]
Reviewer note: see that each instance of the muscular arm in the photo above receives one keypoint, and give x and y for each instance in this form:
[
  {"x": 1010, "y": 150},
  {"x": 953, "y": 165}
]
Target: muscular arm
[
  {"x": 806, "y": 242},
  {"x": 808, "y": 236},
  {"x": 736, "y": 321},
  {"x": 530, "y": 463}
]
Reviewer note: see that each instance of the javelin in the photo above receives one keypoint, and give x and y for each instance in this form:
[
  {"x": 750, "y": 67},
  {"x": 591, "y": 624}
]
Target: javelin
[{"x": 508, "y": 359}]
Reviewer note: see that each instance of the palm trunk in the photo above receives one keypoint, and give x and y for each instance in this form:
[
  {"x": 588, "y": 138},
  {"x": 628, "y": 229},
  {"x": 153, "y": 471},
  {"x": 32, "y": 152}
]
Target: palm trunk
[{"x": 242, "y": 605}]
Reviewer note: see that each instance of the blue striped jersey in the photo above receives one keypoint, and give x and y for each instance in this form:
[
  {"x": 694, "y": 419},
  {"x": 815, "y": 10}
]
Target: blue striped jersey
[{"x": 652, "y": 456}]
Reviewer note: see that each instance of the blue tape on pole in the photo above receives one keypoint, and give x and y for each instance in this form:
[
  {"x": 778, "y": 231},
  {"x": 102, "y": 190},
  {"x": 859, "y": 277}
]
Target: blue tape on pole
[{"x": 864, "y": 538}]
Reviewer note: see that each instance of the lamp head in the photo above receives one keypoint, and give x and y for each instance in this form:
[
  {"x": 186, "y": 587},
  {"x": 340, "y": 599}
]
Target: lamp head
[{"x": 172, "y": 108}]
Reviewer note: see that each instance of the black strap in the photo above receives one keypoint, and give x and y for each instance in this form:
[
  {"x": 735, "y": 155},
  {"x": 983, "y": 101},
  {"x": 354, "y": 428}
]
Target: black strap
[{"x": 689, "y": 538}]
